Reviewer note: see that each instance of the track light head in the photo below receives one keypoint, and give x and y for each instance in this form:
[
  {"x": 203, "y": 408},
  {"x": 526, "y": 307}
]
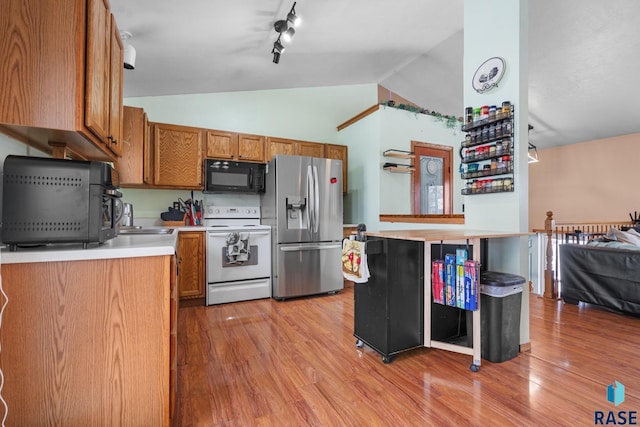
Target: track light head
[
  {"x": 293, "y": 18},
  {"x": 288, "y": 35},
  {"x": 278, "y": 47},
  {"x": 276, "y": 57}
]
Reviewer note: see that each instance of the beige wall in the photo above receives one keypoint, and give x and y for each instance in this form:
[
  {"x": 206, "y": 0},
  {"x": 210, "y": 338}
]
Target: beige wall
[{"x": 589, "y": 181}]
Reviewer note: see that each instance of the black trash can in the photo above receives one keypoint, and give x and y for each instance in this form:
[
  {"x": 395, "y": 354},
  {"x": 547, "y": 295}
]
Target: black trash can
[{"x": 500, "y": 299}]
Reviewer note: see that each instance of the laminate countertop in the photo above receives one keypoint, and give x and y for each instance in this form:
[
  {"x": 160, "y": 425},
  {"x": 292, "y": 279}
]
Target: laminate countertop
[
  {"x": 122, "y": 246},
  {"x": 437, "y": 235}
]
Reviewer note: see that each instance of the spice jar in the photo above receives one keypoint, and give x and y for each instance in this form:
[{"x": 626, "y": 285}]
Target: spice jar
[
  {"x": 484, "y": 112},
  {"x": 498, "y": 148},
  {"x": 506, "y": 108},
  {"x": 476, "y": 115},
  {"x": 506, "y": 162},
  {"x": 468, "y": 115},
  {"x": 494, "y": 164},
  {"x": 492, "y": 112}
]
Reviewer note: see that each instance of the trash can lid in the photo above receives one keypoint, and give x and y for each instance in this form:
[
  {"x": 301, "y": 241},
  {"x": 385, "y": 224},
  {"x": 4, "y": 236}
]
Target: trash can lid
[{"x": 496, "y": 278}]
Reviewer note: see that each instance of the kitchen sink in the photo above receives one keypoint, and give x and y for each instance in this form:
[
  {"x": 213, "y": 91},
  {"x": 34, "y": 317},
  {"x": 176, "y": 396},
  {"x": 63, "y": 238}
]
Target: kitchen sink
[{"x": 142, "y": 230}]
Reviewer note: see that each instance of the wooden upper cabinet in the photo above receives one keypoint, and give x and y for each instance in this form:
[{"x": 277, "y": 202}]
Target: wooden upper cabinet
[
  {"x": 115, "y": 90},
  {"x": 251, "y": 148},
  {"x": 135, "y": 138},
  {"x": 97, "y": 74},
  {"x": 233, "y": 146},
  {"x": 334, "y": 151},
  {"x": 55, "y": 74},
  {"x": 222, "y": 145},
  {"x": 191, "y": 256},
  {"x": 280, "y": 146},
  {"x": 177, "y": 156},
  {"x": 313, "y": 149}
]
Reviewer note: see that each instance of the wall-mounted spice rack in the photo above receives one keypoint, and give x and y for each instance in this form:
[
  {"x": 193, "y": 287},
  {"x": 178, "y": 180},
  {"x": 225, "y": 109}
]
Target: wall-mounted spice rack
[{"x": 488, "y": 149}]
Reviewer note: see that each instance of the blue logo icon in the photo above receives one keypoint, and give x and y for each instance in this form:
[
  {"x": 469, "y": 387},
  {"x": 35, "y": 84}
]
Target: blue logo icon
[{"x": 615, "y": 393}]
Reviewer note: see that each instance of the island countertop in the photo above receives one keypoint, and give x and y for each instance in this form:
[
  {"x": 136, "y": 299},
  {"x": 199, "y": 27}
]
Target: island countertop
[
  {"x": 122, "y": 246},
  {"x": 437, "y": 235}
]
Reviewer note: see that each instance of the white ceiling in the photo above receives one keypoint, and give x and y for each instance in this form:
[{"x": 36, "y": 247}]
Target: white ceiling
[{"x": 583, "y": 54}]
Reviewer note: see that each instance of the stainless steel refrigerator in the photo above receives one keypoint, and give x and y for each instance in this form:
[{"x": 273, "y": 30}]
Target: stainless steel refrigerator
[{"x": 302, "y": 203}]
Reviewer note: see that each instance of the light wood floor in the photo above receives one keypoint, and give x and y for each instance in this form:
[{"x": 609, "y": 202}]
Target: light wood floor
[{"x": 295, "y": 363}]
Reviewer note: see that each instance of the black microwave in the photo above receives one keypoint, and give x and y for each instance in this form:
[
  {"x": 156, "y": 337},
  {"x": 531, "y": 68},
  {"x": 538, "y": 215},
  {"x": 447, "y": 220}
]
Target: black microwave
[{"x": 222, "y": 176}]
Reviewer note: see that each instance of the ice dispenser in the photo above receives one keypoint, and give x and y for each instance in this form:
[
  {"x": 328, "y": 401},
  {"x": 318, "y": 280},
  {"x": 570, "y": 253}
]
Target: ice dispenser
[{"x": 296, "y": 207}]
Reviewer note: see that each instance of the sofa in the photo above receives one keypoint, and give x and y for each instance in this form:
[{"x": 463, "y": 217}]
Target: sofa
[{"x": 604, "y": 272}]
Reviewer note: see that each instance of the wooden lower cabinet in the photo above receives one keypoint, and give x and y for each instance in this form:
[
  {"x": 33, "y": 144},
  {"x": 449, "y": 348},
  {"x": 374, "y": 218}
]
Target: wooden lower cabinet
[
  {"x": 88, "y": 343},
  {"x": 191, "y": 264}
]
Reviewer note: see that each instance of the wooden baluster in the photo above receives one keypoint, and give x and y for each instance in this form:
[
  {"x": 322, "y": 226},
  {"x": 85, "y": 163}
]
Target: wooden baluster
[{"x": 549, "y": 279}]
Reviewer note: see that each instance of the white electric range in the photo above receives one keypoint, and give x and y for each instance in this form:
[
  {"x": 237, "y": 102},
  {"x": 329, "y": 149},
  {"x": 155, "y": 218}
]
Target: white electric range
[{"x": 238, "y": 260}]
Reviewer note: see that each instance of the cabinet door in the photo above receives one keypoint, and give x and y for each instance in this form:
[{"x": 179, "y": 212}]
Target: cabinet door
[
  {"x": 222, "y": 145},
  {"x": 339, "y": 152},
  {"x": 191, "y": 253},
  {"x": 313, "y": 149},
  {"x": 177, "y": 156},
  {"x": 280, "y": 146},
  {"x": 115, "y": 90},
  {"x": 131, "y": 164},
  {"x": 251, "y": 148},
  {"x": 98, "y": 68}
]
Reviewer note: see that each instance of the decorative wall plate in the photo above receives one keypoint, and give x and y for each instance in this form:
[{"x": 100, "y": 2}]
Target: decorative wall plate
[{"x": 488, "y": 74}]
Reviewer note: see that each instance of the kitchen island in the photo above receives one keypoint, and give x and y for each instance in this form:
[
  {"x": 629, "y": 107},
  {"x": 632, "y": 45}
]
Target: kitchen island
[
  {"x": 394, "y": 310},
  {"x": 89, "y": 335}
]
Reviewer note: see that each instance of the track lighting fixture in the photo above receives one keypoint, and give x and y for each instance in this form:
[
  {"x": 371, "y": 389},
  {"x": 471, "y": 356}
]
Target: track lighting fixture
[
  {"x": 532, "y": 152},
  {"x": 285, "y": 29},
  {"x": 292, "y": 17},
  {"x": 278, "y": 48}
]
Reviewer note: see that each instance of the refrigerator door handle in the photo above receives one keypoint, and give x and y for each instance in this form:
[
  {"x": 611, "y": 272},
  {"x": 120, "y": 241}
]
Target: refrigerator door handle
[
  {"x": 316, "y": 195},
  {"x": 309, "y": 247},
  {"x": 311, "y": 208}
]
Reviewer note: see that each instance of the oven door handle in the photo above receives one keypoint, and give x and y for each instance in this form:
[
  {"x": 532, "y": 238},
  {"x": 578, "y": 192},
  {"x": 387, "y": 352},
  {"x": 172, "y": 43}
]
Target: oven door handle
[
  {"x": 251, "y": 233},
  {"x": 309, "y": 247}
]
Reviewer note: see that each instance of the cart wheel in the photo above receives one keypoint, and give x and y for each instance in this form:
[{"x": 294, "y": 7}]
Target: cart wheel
[
  {"x": 387, "y": 359},
  {"x": 359, "y": 343},
  {"x": 474, "y": 367}
]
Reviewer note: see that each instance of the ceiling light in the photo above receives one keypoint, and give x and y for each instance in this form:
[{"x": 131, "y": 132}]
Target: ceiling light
[
  {"x": 532, "y": 152},
  {"x": 129, "y": 52},
  {"x": 285, "y": 31},
  {"x": 292, "y": 17},
  {"x": 288, "y": 35},
  {"x": 278, "y": 47}
]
